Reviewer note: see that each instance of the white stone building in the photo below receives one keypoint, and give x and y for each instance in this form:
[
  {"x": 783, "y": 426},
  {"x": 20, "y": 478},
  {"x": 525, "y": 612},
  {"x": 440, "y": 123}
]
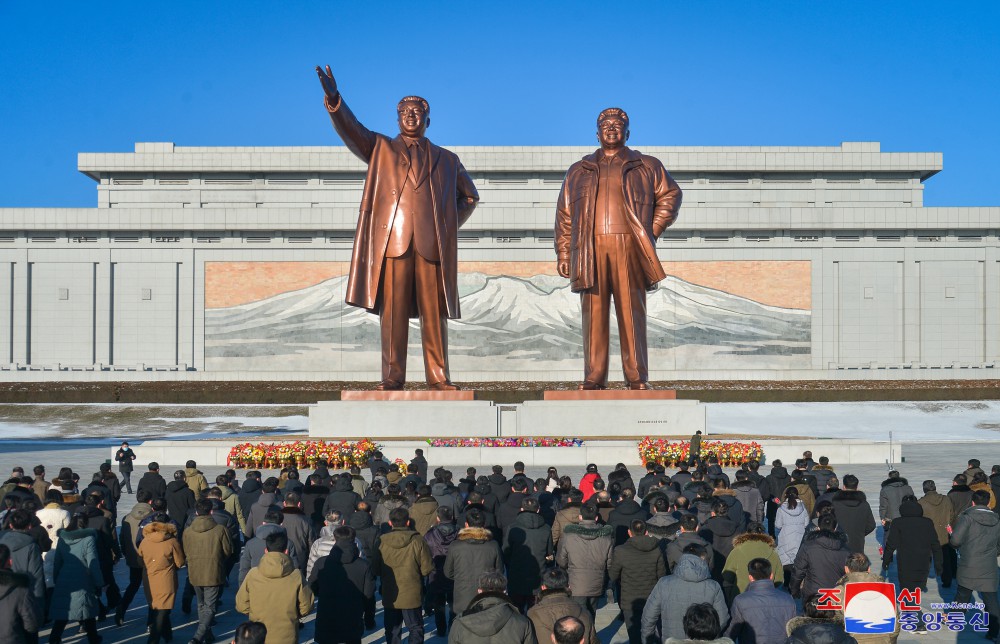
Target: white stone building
[{"x": 229, "y": 263}]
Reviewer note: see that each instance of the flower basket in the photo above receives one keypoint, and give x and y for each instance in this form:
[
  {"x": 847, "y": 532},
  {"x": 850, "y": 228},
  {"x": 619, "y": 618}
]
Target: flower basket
[
  {"x": 339, "y": 455},
  {"x": 672, "y": 453},
  {"x": 519, "y": 441}
]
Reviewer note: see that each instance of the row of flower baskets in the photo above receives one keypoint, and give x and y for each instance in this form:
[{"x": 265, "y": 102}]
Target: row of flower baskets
[
  {"x": 518, "y": 441},
  {"x": 671, "y": 453},
  {"x": 339, "y": 455}
]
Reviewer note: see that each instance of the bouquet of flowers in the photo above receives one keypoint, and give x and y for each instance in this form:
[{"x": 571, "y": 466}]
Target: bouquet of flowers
[
  {"x": 339, "y": 455},
  {"x": 670, "y": 454},
  {"x": 518, "y": 441}
]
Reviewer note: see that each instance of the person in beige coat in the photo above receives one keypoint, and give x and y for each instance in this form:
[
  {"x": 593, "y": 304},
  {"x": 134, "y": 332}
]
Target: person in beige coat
[
  {"x": 162, "y": 555},
  {"x": 275, "y": 594},
  {"x": 195, "y": 479}
]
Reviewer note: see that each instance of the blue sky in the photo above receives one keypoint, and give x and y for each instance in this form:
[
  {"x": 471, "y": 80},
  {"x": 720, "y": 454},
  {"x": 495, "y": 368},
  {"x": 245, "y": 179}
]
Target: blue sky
[{"x": 917, "y": 76}]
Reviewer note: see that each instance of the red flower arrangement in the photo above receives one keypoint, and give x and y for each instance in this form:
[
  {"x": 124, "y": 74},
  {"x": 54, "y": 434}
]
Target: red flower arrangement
[
  {"x": 730, "y": 454},
  {"x": 300, "y": 454},
  {"x": 519, "y": 441}
]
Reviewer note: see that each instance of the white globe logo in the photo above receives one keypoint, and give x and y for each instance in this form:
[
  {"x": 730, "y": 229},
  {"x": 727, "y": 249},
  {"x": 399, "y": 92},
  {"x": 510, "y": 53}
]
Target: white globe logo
[{"x": 870, "y": 612}]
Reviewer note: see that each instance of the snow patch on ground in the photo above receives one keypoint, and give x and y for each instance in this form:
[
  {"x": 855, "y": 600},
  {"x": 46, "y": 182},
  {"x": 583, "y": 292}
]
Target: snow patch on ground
[{"x": 936, "y": 421}]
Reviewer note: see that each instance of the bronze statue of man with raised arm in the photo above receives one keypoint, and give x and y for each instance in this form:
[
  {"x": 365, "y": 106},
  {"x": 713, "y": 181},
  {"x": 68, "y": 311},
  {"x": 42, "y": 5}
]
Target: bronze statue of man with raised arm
[
  {"x": 404, "y": 264},
  {"x": 613, "y": 206}
]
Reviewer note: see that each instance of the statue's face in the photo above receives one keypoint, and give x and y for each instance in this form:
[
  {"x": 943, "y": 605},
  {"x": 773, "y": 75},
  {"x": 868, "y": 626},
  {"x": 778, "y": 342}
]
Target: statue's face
[
  {"x": 612, "y": 132},
  {"x": 413, "y": 120}
]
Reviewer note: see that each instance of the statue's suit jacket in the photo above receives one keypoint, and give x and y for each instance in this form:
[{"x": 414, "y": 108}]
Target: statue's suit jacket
[
  {"x": 453, "y": 195},
  {"x": 652, "y": 199}
]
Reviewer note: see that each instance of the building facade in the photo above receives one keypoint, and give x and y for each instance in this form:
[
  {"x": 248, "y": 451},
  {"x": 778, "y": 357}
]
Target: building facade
[{"x": 230, "y": 263}]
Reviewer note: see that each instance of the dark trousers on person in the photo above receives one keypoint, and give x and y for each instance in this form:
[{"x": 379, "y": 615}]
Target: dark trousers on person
[
  {"x": 89, "y": 625},
  {"x": 950, "y": 564},
  {"x": 590, "y": 603},
  {"x": 208, "y": 602},
  {"x": 370, "y": 608},
  {"x": 964, "y": 595},
  {"x": 127, "y": 482},
  {"x": 772, "y": 513},
  {"x": 440, "y": 602},
  {"x": 394, "y": 619},
  {"x": 135, "y": 576},
  {"x": 160, "y": 628},
  {"x": 523, "y": 602},
  {"x": 632, "y": 612}
]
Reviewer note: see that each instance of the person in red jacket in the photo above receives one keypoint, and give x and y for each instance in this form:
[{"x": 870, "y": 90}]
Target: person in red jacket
[{"x": 587, "y": 482}]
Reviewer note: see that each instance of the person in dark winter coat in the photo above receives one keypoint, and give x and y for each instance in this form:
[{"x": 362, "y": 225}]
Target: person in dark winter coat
[
  {"x": 25, "y": 556},
  {"x": 636, "y": 565},
  {"x": 128, "y": 547},
  {"x": 124, "y": 457},
  {"x": 343, "y": 497},
  {"x": 207, "y": 548},
  {"x": 344, "y": 585},
  {"x": 402, "y": 561},
  {"x": 894, "y": 489},
  {"x": 624, "y": 514},
  {"x": 527, "y": 544},
  {"x": 585, "y": 551},
  {"x": 255, "y": 548},
  {"x": 647, "y": 481},
  {"x": 748, "y": 494},
  {"x": 823, "y": 473},
  {"x": 267, "y": 501},
  {"x": 491, "y": 617},
  {"x": 424, "y": 510},
  {"x": 78, "y": 577},
  {"x": 673, "y": 594},
  {"x": 664, "y": 524},
  {"x": 720, "y": 530},
  {"x": 421, "y": 463},
  {"x": 555, "y": 603},
  {"x": 817, "y": 626},
  {"x": 470, "y": 555},
  {"x": 687, "y": 536},
  {"x": 509, "y": 509},
  {"x": 391, "y": 500},
  {"x": 820, "y": 560},
  {"x": 777, "y": 481},
  {"x": 915, "y": 542},
  {"x": 365, "y": 529},
  {"x": 960, "y": 494},
  {"x": 976, "y": 537},
  {"x": 760, "y": 611},
  {"x": 314, "y": 496},
  {"x": 298, "y": 527},
  {"x": 854, "y": 514},
  {"x": 108, "y": 552},
  {"x": 499, "y": 485},
  {"x": 440, "y": 589},
  {"x": 20, "y": 617},
  {"x": 249, "y": 492},
  {"x": 180, "y": 501},
  {"x": 569, "y": 513},
  {"x": 994, "y": 480},
  {"x": 153, "y": 482}
]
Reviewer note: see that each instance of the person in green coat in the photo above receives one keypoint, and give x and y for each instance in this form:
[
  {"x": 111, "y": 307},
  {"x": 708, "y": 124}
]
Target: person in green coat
[
  {"x": 755, "y": 543},
  {"x": 78, "y": 580}
]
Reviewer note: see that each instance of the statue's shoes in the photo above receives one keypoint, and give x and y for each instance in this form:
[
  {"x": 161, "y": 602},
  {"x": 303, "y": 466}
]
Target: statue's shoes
[
  {"x": 445, "y": 385},
  {"x": 590, "y": 386},
  {"x": 389, "y": 385},
  {"x": 640, "y": 386}
]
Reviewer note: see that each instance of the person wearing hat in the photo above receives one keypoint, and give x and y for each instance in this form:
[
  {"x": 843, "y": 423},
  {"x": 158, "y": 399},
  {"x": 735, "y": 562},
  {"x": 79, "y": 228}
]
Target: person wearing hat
[{"x": 124, "y": 457}]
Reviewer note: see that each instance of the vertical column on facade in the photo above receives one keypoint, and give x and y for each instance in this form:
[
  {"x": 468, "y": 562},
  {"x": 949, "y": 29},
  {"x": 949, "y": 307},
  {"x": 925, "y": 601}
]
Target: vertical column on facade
[
  {"x": 197, "y": 317},
  {"x": 823, "y": 307},
  {"x": 186, "y": 311},
  {"x": 103, "y": 311},
  {"x": 991, "y": 304},
  {"x": 911, "y": 307}
]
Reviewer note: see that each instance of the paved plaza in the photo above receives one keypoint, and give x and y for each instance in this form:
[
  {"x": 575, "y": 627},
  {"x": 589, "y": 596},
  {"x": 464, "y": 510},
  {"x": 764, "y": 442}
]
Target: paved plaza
[{"x": 923, "y": 461}]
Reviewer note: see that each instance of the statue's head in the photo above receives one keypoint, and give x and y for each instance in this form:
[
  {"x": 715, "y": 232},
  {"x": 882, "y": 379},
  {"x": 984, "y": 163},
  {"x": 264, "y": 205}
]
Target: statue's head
[
  {"x": 612, "y": 128},
  {"x": 414, "y": 116}
]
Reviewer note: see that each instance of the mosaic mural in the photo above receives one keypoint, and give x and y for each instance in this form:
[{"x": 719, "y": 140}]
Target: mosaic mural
[{"x": 516, "y": 317}]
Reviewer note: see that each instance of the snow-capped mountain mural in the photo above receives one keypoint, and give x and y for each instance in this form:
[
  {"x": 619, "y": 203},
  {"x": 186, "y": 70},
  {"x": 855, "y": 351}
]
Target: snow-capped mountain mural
[{"x": 509, "y": 324}]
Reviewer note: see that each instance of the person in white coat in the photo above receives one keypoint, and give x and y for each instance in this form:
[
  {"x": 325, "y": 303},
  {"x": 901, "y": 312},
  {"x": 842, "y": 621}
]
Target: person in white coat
[{"x": 791, "y": 522}]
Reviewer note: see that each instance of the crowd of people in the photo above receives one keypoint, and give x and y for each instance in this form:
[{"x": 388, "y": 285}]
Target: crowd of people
[{"x": 689, "y": 555}]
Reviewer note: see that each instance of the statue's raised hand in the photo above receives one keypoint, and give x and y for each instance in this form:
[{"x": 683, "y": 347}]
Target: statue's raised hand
[{"x": 328, "y": 82}]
